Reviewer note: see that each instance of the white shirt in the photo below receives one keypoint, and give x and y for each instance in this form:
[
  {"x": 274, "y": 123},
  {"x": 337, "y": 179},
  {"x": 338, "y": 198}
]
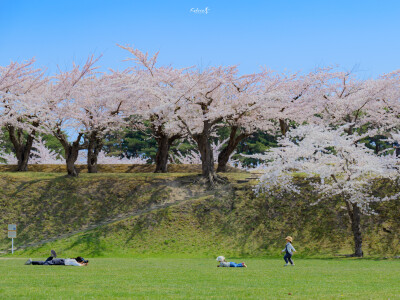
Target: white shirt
[
  {"x": 224, "y": 264},
  {"x": 72, "y": 262},
  {"x": 289, "y": 248}
]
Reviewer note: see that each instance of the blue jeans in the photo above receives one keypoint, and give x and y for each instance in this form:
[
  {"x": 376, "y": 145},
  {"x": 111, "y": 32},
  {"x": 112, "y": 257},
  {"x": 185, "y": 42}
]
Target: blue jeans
[
  {"x": 288, "y": 258},
  {"x": 235, "y": 265}
]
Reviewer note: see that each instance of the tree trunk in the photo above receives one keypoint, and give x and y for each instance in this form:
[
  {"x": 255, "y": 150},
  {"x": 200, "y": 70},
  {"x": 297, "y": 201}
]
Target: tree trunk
[
  {"x": 71, "y": 158},
  {"x": 207, "y": 159},
  {"x": 23, "y": 153},
  {"x": 355, "y": 218},
  {"x": 202, "y": 140},
  {"x": 377, "y": 148},
  {"x": 164, "y": 143},
  {"x": 206, "y": 154},
  {"x": 22, "y": 148},
  {"x": 71, "y": 151},
  {"x": 92, "y": 163},
  {"x": 356, "y": 227},
  {"x": 226, "y": 153},
  {"x": 223, "y": 158},
  {"x": 95, "y": 145},
  {"x": 284, "y": 126},
  {"x": 162, "y": 154}
]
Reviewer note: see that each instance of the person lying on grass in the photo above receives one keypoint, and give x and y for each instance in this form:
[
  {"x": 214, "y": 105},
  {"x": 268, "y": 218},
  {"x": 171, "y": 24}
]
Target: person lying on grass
[
  {"x": 53, "y": 261},
  {"x": 289, "y": 250},
  {"x": 224, "y": 263}
]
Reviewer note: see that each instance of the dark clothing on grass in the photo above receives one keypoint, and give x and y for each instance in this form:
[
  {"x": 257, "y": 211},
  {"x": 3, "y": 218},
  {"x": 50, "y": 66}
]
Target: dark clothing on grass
[{"x": 50, "y": 261}]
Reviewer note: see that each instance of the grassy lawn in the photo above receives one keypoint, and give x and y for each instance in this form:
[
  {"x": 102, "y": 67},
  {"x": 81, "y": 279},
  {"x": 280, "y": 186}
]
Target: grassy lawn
[{"x": 163, "y": 278}]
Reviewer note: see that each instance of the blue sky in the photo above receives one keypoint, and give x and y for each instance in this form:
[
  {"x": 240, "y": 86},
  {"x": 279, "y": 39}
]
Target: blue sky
[{"x": 281, "y": 35}]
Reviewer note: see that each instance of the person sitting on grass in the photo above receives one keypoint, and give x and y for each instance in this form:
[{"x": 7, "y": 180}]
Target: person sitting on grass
[
  {"x": 224, "y": 263},
  {"x": 289, "y": 249},
  {"x": 53, "y": 261}
]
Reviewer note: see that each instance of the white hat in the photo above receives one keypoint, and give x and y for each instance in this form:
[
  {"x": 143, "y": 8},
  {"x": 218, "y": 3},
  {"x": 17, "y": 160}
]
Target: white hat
[{"x": 220, "y": 258}]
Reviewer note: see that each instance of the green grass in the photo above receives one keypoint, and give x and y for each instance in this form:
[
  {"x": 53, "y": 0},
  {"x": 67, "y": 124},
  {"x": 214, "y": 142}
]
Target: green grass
[
  {"x": 167, "y": 278},
  {"x": 169, "y": 252},
  {"x": 174, "y": 214}
]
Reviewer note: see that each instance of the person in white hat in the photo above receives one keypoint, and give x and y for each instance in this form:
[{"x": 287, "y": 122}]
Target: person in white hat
[
  {"x": 289, "y": 249},
  {"x": 224, "y": 263}
]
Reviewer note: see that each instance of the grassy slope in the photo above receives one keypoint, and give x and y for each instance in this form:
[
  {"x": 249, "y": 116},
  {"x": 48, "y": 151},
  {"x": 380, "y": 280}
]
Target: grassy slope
[
  {"x": 229, "y": 220},
  {"x": 166, "y": 278}
]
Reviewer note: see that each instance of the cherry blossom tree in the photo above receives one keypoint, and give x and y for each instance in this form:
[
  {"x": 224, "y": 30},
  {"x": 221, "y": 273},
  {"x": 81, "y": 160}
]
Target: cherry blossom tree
[
  {"x": 252, "y": 106},
  {"x": 297, "y": 102},
  {"x": 41, "y": 154},
  {"x": 193, "y": 157},
  {"x": 60, "y": 112},
  {"x": 161, "y": 90},
  {"x": 101, "y": 101},
  {"x": 168, "y": 92},
  {"x": 388, "y": 114},
  {"x": 344, "y": 99},
  {"x": 7, "y": 158},
  {"x": 219, "y": 97},
  {"x": 345, "y": 168},
  {"x": 19, "y": 83},
  {"x": 202, "y": 110},
  {"x": 269, "y": 101}
]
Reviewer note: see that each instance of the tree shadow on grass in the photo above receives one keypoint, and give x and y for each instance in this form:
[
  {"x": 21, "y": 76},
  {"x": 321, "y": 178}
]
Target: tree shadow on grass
[
  {"x": 89, "y": 243},
  {"x": 145, "y": 223},
  {"x": 64, "y": 206}
]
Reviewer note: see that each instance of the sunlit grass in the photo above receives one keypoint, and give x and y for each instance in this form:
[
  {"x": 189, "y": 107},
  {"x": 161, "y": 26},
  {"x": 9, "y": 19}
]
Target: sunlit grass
[{"x": 166, "y": 278}]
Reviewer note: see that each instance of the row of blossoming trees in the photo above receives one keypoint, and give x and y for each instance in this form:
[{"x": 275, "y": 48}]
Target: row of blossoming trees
[
  {"x": 322, "y": 117},
  {"x": 177, "y": 103}
]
